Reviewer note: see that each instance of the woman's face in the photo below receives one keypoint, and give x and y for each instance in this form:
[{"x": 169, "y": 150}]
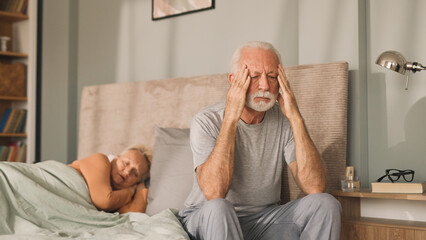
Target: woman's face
[{"x": 128, "y": 169}]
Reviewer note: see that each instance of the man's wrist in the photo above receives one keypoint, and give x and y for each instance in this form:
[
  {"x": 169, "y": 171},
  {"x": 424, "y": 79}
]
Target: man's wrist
[
  {"x": 230, "y": 121},
  {"x": 295, "y": 119}
]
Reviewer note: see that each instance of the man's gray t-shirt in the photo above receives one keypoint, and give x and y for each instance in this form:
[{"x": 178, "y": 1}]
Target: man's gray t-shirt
[{"x": 260, "y": 152}]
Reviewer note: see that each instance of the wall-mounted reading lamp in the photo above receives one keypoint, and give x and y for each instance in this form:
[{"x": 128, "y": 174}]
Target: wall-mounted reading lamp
[{"x": 394, "y": 60}]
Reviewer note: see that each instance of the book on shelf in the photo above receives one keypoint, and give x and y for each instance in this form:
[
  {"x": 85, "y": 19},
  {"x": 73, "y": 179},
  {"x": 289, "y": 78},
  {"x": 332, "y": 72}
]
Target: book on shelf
[
  {"x": 18, "y": 119},
  {"x": 20, "y": 128},
  {"x": 17, "y": 6},
  {"x": 22, "y": 153},
  {"x": 9, "y": 121},
  {"x": 4, "y": 153},
  {"x": 14, "y": 152},
  {"x": 11, "y": 154},
  {"x": 4, "y": 118},
  {"x": 398, "y": 187},
  {"x": 13, "y": 121}
]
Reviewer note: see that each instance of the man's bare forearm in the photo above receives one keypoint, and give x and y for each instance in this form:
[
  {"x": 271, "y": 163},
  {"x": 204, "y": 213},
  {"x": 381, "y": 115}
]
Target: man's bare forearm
[
  {"x": 215, "y": 175},
  {"x": 310, "y": 169}
]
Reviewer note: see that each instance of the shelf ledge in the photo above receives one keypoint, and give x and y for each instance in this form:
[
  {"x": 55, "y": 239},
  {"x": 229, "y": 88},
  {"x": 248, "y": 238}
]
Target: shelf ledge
[
  {"x": 9, "y": 98},
  {"x": 12, "y": 17},
  {"x": 20, "y": 135},
  {"x": 14, "y": 54},
  {"x": 366, "y": 193}
]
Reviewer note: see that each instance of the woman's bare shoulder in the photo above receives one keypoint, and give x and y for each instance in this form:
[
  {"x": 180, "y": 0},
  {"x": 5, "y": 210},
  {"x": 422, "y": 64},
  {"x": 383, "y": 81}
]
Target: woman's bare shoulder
[{"x": 96, "y": 159}]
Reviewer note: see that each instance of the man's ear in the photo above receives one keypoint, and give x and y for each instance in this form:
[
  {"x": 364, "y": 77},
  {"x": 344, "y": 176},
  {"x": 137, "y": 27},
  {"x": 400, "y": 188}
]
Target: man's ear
[{"x": 230, "y": 77}]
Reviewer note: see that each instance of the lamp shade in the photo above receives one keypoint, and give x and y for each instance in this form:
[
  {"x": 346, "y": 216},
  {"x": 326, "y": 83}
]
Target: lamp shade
[{"x": 392, "y": 60}]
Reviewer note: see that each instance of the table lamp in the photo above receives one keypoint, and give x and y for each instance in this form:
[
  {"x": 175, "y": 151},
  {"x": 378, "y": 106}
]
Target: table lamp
[{"x": 394, "y": 60}]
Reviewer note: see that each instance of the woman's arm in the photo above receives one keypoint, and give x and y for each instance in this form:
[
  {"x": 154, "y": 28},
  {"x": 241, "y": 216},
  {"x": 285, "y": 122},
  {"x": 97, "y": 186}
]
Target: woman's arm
[
  {"x": 139, "y": 201},
  {"x": 96, "y": 170}
]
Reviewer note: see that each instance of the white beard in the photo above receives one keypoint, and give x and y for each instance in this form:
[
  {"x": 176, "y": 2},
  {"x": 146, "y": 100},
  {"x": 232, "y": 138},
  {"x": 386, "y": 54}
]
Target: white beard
[{"x": 261, "y": 106}]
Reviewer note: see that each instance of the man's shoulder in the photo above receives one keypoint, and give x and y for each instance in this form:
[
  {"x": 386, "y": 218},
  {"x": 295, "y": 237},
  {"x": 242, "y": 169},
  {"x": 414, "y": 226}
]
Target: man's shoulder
[
  {"x": 215, "y": 107},
  {"x": 215, "y": 111}
]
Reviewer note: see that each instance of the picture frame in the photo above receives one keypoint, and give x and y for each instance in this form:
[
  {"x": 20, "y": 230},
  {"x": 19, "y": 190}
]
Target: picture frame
[{"x": 162, "y": 9}]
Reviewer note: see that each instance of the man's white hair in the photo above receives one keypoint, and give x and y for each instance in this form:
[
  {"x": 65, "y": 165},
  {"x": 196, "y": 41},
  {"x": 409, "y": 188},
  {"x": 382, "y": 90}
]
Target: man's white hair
[{"x": 252, "y": 44}]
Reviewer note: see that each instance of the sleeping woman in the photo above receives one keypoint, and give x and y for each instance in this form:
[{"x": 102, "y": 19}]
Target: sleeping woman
[{"x": 117, "y": 183}]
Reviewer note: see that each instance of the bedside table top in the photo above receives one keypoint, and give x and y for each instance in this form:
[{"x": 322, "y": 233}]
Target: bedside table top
[{"x": 366, "y": 193}]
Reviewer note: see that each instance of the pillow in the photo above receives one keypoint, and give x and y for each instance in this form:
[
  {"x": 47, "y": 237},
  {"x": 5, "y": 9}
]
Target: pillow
[{"x": 171, "y": 171}]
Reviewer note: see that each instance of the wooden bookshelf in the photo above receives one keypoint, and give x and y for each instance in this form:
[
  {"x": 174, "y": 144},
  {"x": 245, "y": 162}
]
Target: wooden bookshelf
[
  {"x": 17, "y": 95},
  {"x": 12, "y": 17},
  {"x": 17, "y": 135},
  {"x": 356, "y": 227},
  {"x": 13, "y": 55},
  {"x": 7, "y": 98}
]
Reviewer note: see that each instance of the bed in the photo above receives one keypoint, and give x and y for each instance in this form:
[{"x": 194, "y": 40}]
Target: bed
[{"x": 157, "y": 114}]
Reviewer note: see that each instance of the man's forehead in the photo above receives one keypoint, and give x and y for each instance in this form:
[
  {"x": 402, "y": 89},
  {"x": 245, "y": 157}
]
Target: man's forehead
[
  {"x": 259, "y": 60},
  {"x": 260, "y": 64},
  {"x": 263, "y": 68}
]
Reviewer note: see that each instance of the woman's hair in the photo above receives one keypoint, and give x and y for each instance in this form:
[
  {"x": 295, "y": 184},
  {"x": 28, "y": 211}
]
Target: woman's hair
[
  {"x": 253, "y": 44},
  {"x": 146, "y": 153}
]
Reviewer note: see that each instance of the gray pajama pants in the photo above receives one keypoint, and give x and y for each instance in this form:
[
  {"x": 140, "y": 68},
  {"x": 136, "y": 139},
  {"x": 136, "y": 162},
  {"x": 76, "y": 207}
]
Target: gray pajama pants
[{"x": 316, "y": 216}]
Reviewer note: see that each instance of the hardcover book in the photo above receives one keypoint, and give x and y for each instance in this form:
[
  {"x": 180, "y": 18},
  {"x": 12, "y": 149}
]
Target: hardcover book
[
  {"x": 9, "y": 121},
  {"x": 4, "y": 119},
  {"x": 13, "y": 121},
  {"x": 398, "y": 187}
]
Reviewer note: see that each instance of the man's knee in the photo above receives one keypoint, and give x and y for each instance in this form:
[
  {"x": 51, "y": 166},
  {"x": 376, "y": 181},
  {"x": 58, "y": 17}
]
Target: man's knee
[
  {"x": 322, "y": 216},
  {"x": 325, "y": 203},
  {"x": 216, "y": 219},
  {"x": 218, "y": 206},
  {"x": 214, "y": 210}
]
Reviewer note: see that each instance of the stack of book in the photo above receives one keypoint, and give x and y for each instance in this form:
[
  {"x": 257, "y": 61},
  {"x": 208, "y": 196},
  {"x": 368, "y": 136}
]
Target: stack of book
[
  {"x": 14, "y": 152},
  {"x": 398, "y": 187},
  {"x": 16, "y": 6},
  {"x": 13, "y": 121}
]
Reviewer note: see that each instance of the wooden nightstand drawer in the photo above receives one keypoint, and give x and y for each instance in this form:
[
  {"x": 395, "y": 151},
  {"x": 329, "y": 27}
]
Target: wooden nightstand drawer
[{"x": 355, "y": 227}]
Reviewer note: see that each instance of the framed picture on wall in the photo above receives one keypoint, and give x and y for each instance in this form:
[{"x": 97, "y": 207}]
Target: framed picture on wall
[{"x": 170, "y": 8}]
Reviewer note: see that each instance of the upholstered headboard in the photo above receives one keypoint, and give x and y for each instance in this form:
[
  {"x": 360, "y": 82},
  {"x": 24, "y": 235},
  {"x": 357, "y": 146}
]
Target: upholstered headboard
[{"x": 114, "y": 116}]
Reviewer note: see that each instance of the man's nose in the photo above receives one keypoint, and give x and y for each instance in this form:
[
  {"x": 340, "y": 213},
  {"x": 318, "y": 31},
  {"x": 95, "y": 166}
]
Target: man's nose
[{"x": 263, "y": 83}]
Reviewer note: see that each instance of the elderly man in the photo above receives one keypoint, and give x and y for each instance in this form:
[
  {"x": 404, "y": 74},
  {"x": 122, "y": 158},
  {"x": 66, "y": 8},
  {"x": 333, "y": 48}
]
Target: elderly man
[{"x": 240, "y": 147}]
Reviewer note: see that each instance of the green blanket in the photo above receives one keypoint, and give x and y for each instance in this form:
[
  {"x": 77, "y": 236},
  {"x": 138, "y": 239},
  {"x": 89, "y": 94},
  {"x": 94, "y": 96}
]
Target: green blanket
[{"x": 50, "y": 200}]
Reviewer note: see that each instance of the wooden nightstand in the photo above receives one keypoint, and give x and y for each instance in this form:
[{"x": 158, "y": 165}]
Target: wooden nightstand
[{"x": 356, "y": 227}]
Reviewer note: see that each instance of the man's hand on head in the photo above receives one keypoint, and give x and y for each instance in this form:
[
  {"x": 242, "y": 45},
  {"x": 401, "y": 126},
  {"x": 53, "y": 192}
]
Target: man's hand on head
[
  {"x": 236, "y": 97},
  {"x": 286, "y": 97}
]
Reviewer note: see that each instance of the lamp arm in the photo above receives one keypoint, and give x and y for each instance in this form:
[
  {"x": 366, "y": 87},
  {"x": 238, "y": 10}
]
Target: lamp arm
[{"x": 414, "y": 66}]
